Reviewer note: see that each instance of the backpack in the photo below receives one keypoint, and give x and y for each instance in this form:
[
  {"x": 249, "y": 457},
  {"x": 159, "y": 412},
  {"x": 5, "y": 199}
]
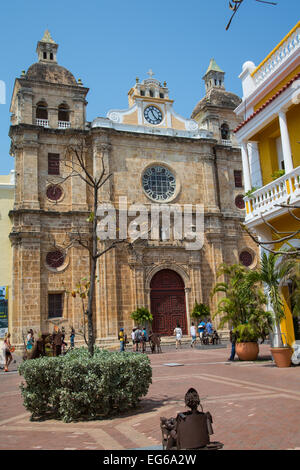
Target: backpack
[{"x": 138, "y": 335}]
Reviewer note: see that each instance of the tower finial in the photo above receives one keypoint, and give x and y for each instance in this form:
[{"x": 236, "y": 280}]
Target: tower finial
[{"x": 47, "y": 37}]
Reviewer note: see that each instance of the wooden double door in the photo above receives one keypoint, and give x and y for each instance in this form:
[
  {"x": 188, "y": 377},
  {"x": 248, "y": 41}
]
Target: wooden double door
[{"x": 168, "y": 302}]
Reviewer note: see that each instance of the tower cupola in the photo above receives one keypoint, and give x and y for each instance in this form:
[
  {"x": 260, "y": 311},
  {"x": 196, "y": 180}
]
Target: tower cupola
[
  {"x": 214, "y": 76},
  {"x": 47, "y": 48}
]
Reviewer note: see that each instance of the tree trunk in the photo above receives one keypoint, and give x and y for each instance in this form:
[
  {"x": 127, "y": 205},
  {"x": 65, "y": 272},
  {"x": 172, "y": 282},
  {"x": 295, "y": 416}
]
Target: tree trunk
[{"x": 91, "y": 294}]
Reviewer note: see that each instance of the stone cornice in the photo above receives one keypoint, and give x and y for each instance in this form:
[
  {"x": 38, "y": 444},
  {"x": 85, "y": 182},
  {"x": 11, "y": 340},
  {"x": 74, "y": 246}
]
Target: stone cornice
[{"x": 21, "y": 211}]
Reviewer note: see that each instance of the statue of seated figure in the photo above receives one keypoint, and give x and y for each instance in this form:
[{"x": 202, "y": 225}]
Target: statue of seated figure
[{"x": 190, "y": 429}]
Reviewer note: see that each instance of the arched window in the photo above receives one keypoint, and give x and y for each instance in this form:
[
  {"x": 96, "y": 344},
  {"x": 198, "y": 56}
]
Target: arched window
[
  {"x": 225, "y": 133},
  {"x": 64, "y": 113},
  {"x": 151, "y": 93},
  {"x": 41, "y": 110}
]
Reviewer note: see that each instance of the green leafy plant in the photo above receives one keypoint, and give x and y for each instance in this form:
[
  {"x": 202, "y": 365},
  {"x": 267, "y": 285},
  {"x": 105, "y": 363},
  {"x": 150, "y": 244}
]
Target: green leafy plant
[
  {"x": 278, "y": 174},
  {"x": 142, "y": 316},
  {"x": 79, "y": 386},
  {"x": 251, "y": 191},
  {"x": 200, "y": 311}
]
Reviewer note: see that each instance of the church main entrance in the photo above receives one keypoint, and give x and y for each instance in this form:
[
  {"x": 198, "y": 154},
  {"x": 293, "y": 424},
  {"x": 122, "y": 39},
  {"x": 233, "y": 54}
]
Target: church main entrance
[{"x": 167, "y": 302}]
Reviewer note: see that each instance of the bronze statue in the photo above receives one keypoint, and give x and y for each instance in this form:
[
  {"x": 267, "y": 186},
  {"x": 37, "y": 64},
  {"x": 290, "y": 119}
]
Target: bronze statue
[{"x": 190, "y": 429}]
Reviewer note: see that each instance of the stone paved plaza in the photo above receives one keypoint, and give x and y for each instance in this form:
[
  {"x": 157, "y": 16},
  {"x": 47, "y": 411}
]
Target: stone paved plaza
[{"x": 254, "y": 406}]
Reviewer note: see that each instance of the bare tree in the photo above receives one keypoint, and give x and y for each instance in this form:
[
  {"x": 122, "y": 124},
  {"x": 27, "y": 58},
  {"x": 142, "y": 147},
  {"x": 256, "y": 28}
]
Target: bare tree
[
  {"x": 234, "y": 5},
  {"x": 76, "y": 163},
  {"x": 279, "y": 236}
]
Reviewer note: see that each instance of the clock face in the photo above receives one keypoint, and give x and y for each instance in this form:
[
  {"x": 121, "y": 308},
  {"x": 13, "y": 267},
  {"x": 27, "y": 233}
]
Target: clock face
[
  {"x": 153, "y": 115},
  {"x": 159, "y": 183}
]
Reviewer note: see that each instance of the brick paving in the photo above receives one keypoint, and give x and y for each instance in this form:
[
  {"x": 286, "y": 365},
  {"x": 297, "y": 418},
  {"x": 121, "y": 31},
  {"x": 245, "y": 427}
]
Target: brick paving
[{"x": 254, "y": 405}]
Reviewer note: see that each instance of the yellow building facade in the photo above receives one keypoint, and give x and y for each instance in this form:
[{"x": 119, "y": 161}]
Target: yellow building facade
[
  {"x": 7, "y": 186},
  {"x": 269, "y": 137}
]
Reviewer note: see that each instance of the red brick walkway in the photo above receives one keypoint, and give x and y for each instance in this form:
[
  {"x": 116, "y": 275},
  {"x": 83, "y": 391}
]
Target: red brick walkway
[{"x": 254, "y": 406}]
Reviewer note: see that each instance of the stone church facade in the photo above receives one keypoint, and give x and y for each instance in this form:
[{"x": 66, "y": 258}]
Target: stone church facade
[{"x": 154, "y": 156}]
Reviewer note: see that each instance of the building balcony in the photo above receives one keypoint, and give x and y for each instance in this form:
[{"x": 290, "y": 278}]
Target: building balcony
[
  {"x": 42, "y": 122},
  {"x": 281, "y": 54},
  {"x": 64, "y": 124},
  {"x": 265, "y": 201}
]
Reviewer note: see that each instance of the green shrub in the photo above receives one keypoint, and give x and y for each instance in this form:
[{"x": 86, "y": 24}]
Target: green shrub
[{"x": 78, "y": 386}]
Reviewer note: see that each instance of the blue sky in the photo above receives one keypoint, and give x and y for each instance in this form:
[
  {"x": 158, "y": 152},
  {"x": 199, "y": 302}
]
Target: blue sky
[{"x": 109, "y": 43}]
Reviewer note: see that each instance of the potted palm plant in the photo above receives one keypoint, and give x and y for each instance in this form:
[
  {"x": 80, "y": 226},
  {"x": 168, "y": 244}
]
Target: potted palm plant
[
  {"x": 272, "y": 274},
  {"x": 243, "y": 307}
]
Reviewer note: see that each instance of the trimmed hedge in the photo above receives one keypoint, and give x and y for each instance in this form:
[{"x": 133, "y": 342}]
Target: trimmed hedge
[{"x": 77, "y": 386}]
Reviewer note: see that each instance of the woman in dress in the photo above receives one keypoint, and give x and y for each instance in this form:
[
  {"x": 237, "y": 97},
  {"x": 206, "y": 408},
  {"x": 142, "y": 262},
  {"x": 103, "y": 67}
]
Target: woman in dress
[{"x": 178, "y": 334}]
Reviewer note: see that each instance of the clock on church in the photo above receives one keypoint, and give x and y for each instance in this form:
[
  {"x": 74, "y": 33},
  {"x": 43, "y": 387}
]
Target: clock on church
[
  {"x": 159, "y": 183},
  {"x": 153, "y": 115}
]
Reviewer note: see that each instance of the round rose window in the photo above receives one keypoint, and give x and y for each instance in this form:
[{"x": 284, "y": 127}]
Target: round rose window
[
  {"x": 159, "y": 183},
  {"x": 246, "y": 258},
  {"x": 55, "y": 259},
  {"x": 54, "y": 192},
  {"x": 239, "y": 202}
]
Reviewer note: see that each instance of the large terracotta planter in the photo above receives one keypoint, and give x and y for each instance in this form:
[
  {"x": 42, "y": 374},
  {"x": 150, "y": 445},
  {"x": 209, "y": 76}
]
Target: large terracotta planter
[
  {"x": 247, "y": 351},
  {"x": 282, "y": 356}
]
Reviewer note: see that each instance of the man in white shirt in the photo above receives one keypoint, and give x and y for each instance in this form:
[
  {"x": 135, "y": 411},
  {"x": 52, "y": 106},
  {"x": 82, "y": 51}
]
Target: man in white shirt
[{"x": 193, "y": 335}]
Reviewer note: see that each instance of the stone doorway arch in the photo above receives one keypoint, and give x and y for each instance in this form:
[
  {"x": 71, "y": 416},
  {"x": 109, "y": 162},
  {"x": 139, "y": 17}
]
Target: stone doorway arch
[{"x": 168, "y": 304}]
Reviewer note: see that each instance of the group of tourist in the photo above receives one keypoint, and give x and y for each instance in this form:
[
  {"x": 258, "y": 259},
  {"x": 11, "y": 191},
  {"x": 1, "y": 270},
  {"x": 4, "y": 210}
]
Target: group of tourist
[
  {"x": 139, "y": 337},
  {"x": 204, "y": 331},
  {"x": 55, "y": 342}
]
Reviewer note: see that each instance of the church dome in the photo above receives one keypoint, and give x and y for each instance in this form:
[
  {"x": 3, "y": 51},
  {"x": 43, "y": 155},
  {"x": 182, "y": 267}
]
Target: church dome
[
  {"x": 218, "y": 97},
  {"x": 51, "y": 73}
]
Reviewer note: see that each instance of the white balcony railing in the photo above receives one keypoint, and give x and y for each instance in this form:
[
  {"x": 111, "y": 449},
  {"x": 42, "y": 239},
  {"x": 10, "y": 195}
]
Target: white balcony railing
[
  {"x": 42, "y": 122},
  {"x": 64, "y": 124},
  {"x": 279, "y": 55},
  {"x": 264, "y": 200}
]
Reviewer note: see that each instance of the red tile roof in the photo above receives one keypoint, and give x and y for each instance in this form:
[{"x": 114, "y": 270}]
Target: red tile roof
[{"x": 297, "y": 77}]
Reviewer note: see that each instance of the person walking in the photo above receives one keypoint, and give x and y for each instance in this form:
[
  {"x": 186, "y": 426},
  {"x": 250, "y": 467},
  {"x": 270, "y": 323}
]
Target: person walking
[
  {"x": 178, "y": 334},
  {"x": 7, "y": 351},
  {"x": 63, "y": 343},
  {"x": 233, "y": 341},
  {"x": 201, "y": 329},
  {"x": 122, "y": 339},
  {"x": 193, "y": 334},
  {"x": 72, "y": 338},
  {"x": 133, "y": 339},
  {"x": 209, "y": 330},
  {"x": 144, "y": 339},
  {"x": 30, "y": 340},
  {"x": 137, "y": 338}
]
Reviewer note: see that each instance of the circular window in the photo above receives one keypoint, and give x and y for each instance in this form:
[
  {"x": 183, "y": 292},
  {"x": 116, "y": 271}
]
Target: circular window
[
  {"x": 159, "y": 183},
  {"x": 239, "y": 202},
  {"x": 54, "y": 192},
  {"x": 55, "y": 259},
  {"x": 246, "y": 258}
]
